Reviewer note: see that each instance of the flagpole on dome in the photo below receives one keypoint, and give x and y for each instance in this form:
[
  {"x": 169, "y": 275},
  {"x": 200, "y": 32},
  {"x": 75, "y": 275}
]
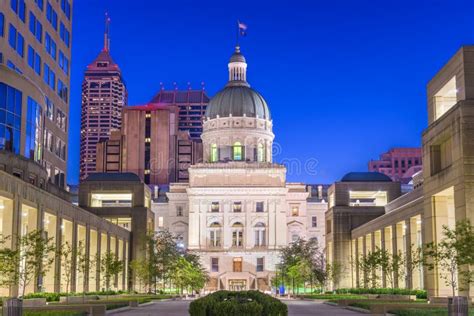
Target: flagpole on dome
[{"x": 241, "y": 31}]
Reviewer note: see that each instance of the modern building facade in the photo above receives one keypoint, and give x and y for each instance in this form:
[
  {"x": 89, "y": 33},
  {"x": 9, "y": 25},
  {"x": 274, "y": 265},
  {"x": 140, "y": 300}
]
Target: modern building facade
[
  {"x": 35, "y": 58},
  {"x": 443, "y": 192},
  {"x": 400, "y": 164},
  {"x": 150, "y": 145},
  {"x": 237, "y": 210},
  {"x": 104, "y": 95},
  {"x": 192, "y": 106},
  {"x": 29, "y": 202}
]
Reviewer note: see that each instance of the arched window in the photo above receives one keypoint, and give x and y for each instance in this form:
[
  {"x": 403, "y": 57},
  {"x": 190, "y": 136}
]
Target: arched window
[
  {"x": 260, "y": 235},
  {"x": 260, "y": 153},
  {"x": 237, "y": 234},
  {"x": 214, "y": 155},
  {"x": 215, "y": 234},
  {"x": 237, "y": 151}
]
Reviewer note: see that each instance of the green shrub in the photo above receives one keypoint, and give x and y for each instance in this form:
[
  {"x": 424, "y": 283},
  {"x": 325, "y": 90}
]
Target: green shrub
[
  {"x": 50, "y": 297},
  {"x": 420, "y": 294},
  {"x": 53, "y": 313},
  {"x": 227, "y": 303}
]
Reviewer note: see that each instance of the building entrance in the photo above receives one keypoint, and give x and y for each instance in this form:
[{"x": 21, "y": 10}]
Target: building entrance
[{"x": 237, "y": 285}]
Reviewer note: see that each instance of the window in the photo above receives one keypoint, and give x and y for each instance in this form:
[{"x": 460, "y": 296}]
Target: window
[
  {"x": 237, "y": 234},
  {"x": 16, "y": 40},
  {"x": 64, "y": 34},
  {"x": 52, "y": 16},
  {"x": 49, "y": 76},
  {"x": 49, "y": 109},
  {"x": 48, "y": 140},
  {"x": 215, "y": 207},
  {"x": 66, "y": 8},
  {"x": 445, "y": 98},
  {"x": 61, "y": 119},
  {"x": 36, "y": 28},
  {"x": 260, "y": 153},
  {"x": 237, "y": 151},
  {"x": 160, "y": 221},
  {"x": 259, "y": 207},
  {"x": 59, "y": 178},
  {"x": 19, "y": 7},
  {"x": 295, "y": 210},
  {"x": 215, "y": 234},
  {"x": 295, "y": 237},
  {"x": 60, "y": 148},
  {"x": 440, "y": 156},
  {"x": 179, "y": 211},
  {"x": 111, "y": 200},
  {"x": 34, "y": 60},
  {"x": 260, "y": 264},
  {"x": 62, "y": 90},
  {"x": 10, "y": 118},
  {"x": 214, "y": 264},
  {"x": 33, "y": 130},
  {"x": 314, "y": 221},
  {"x": 237, "y": 207},
  {"x": 50, "y": 45},
  {"x": 214, "y": 153},
  {"x": 40, "y": 4},
  {"x": 63, "y": 62},
  {"x": 260, "y": 235},
  {"x": 367, "y": 198},
  {"x": 2, "y": 24}
]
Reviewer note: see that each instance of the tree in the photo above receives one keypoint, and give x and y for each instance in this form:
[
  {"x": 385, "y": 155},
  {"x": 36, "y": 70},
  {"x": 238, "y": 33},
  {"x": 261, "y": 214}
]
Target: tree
[
  {"x": 305, "y": 254},
  {"x": 82, "y": 265},
  {"x": 166, "y": 254},
  {"x": 453, "y": 255},
  {"x": 65, "y": 254},
  {"x": 414, "y": 261},
  {"x": 28, "y": 261},
  {"x": 333, "y": 273},
  {"x": 142, "y": 272},
  {"x": 110, "y": 267}
]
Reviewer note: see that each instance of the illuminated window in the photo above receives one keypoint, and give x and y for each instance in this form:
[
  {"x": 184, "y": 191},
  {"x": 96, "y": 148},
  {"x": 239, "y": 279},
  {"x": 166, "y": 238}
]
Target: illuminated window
[
  {"x": 445, "y": 98},
  {"x": 367, "y": 198},
  {"x": 237, "y": 234},
  {"x": 160, "y": 221},
  {"x": 237, "y": 151},
  {"x": 214, "y": 155},
  {"x": 237, "y": 207},
  {"x": 111, "y": 200},
  {"x": 295, "y": 210},
  {"x": 260, "y": 153},
  {"x": 215, "y": 207}
]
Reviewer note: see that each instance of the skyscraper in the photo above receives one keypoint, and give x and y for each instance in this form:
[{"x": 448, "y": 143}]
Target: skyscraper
[
  {"x": 192, "y": 106},
  {"x": 35, "y": 58},
  {"x": 103, "y": 96}
]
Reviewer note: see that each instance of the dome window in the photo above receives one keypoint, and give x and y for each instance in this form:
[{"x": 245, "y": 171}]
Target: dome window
[
  {"x": 214, "y": 153},
  {"x": 260, "y": 153},
  {"x": 237, "y": 151}
]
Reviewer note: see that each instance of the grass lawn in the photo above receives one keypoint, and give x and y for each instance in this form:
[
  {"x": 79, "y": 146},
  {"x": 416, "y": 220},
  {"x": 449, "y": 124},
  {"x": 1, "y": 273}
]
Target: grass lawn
[
  {"x": 425, "y": 312},
  {"x": 334, "y": 296}
]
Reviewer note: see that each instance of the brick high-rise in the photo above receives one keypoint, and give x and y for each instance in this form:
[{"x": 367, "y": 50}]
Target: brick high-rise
[
  {"x": 400, "y": 164},
  {"x": 104, "y": 94}
]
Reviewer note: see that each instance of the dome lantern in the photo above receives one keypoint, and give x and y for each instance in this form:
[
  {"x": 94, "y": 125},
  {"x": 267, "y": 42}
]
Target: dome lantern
[{"x": 237, "y": 68}]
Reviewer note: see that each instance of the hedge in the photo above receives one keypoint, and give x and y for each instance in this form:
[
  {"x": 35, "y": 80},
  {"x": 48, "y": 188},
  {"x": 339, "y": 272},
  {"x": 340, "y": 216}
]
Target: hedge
[
  {"x": 420, "y": 294},
  {"x": 228, "y": 303}
]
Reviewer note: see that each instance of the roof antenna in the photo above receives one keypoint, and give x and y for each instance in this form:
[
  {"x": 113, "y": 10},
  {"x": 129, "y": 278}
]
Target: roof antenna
[{"x": 107, "y": 32}]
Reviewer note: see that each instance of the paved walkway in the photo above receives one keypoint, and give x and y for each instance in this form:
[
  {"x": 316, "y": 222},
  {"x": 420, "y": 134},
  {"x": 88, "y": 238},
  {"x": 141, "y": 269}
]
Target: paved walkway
[{"x": 180, "y": 308}]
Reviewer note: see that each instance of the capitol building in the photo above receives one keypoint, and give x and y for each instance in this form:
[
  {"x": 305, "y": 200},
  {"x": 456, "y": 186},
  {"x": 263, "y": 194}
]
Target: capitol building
[{"x": 237, "y": 210}]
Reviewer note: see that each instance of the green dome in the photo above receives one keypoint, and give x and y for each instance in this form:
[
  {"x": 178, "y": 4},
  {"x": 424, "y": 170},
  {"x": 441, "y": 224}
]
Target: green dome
[{"x": 238, "y": 100}]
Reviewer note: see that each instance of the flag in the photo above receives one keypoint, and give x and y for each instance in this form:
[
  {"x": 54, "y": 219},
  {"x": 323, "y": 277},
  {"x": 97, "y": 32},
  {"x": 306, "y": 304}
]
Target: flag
[{"x": 242, "y": 28}]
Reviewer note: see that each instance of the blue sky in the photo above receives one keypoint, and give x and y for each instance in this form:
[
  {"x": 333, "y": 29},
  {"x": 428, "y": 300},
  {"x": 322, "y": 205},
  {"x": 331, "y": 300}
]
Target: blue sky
[{"x": 345, "y": 80}]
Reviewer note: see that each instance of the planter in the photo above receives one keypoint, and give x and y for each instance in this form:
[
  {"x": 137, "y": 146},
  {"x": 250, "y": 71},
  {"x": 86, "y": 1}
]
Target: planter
[
  {"x": 77, "y": 299},
  {"x": 458, "y": 306},
  {"x": 34, "y": 302}
]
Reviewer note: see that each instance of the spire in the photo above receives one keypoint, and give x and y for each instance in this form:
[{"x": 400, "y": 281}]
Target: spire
[
  {"x": 107, "y": 33},
  {"x": 237, "y": 67}
]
